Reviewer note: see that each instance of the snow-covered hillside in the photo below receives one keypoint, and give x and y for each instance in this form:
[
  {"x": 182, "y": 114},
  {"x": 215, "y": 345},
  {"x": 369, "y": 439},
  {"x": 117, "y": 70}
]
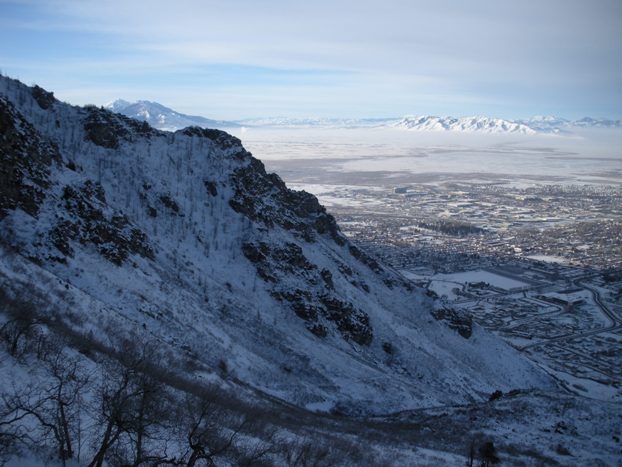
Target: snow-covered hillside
[
  {"x": 164, "y": 118},
  {"x": 185, "y": 238}
]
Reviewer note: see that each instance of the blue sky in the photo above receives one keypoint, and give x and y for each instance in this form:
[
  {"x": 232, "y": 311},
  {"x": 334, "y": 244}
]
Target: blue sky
[{"x": 235, "y": 59}]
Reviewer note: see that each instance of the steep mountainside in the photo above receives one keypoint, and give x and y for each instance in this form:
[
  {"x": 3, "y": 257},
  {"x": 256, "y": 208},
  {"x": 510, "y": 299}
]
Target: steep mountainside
[{"x": 185, "y": 238}]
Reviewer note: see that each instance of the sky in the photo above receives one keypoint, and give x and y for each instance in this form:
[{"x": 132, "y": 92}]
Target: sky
[{"x": 232, "y": 59}]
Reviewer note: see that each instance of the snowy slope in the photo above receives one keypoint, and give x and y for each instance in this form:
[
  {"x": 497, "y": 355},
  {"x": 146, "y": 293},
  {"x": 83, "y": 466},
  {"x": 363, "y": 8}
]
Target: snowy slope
[
  {"x": 164, "y": 118},
  {"x": 184, "y": 237}
]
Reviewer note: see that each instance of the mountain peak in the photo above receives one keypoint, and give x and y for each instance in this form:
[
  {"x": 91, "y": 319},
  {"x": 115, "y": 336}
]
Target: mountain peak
[
  {"x": 162, "y": 117},
  {"x": 117, "y": 105}
]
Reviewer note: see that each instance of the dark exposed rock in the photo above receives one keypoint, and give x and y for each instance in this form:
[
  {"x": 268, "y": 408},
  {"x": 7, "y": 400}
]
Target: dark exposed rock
[
  {"x": 345, "y": 269},
  {"x": 431, "y": 293},
  {"x": 103, "y": 130},
  {"x": 292, "y": 257},
  {"x": 318, "y": 329},
  {"x": 44, "y": 98},
  {"x": 211, "y": 187},
  {"x": 139, "y": 244},
  {"x": 94, "y": 190},
  {"x": 288, "y": 258},
  {"x": 107, "y": 129},
  {"x": 327, "y": 276},
  {"x": 253, "y": 252},
  {"x": 390, "y": 283},
  {"x": 365, "y": 259},
  {"x": 456, "y": 321},
  {"x": 264, "y": 197},
  {"x": 314, "y": 304},
  {"x": 25, "y": 160},
  {"x": 61, "y": 234},
  {"x": 265, "y": 274},
  {"x": 170, "y": 203},
  {"x": 112, "y": 235},
  {"x": 300, "y": 301},
  {"x": 258, "y": 254},
  {"x": 221, "y": 138},
  {"x": 351, "y": 322}
]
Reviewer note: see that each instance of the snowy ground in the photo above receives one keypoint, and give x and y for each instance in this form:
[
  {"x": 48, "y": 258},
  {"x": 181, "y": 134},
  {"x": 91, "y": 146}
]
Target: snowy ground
[
  {"x": 589, "y": 156},
  {"x": 496, "y": 280}
]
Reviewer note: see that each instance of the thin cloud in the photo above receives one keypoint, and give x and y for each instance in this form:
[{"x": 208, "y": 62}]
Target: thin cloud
[{"x": 488, "y": 51}]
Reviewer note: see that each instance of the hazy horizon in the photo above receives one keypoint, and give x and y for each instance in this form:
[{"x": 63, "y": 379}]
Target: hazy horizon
[{"x": 350, "y": 117}]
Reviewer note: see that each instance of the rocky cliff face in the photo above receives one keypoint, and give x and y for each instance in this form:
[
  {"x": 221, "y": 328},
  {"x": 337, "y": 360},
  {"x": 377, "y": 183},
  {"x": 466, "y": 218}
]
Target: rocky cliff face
[{"x": 185, "y": 238}]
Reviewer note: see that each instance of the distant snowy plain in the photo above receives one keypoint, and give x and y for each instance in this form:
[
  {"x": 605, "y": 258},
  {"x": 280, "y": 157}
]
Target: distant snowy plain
[{"x": 390, "y": 156}]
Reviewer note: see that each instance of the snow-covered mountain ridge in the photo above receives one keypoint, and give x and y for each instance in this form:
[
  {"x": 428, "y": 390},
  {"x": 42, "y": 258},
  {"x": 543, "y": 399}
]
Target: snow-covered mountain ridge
[
  {"x": 463, "y": 124},
  {"x": 185, "y": 238},
  {"x": 530, "y": 126},
  {"x": 165, "y": 118}
]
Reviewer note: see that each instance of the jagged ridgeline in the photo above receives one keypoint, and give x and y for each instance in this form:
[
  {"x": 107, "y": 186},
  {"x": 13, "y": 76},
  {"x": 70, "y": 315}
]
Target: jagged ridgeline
[{"x": 183, "y": 237}]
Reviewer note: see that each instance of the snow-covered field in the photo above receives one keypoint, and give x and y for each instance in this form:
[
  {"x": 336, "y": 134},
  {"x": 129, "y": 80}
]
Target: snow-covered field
[
  {"x": 589, "y": 156},
  {"x": 496, "y": 280},
  {"x": 547, "y": 258}
]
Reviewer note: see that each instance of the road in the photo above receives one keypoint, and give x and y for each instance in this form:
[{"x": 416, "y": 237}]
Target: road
[{"x": 614, "y": 326}]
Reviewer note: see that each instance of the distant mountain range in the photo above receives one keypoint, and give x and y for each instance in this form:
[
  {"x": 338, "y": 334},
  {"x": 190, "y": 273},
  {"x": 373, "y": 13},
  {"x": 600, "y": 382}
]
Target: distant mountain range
[
  {"x": 463, "y": 124},
  {"x": 165, "y": 118},
  {"x": 288, "y": 122},
  {"x": 551, "y": 124}
]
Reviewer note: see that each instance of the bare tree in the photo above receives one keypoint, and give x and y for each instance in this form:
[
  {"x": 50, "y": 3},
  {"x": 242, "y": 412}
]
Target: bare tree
[
  {"x": 68, "y": 383},
  {"x": 132, "y": 402},
  {"x": 12, "y": 432},
  {"x": 53, "y": 402},
  {"x": 113, "y": 412},
  {"x": 253, "y": 453},
  {"x": 148, "y": 412},
  {"x": 209, "y": 429},
  {"x": 303, "y": 453},
  {"x": 488, "y": 454},
  {"x": 23, "y": 322}
]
